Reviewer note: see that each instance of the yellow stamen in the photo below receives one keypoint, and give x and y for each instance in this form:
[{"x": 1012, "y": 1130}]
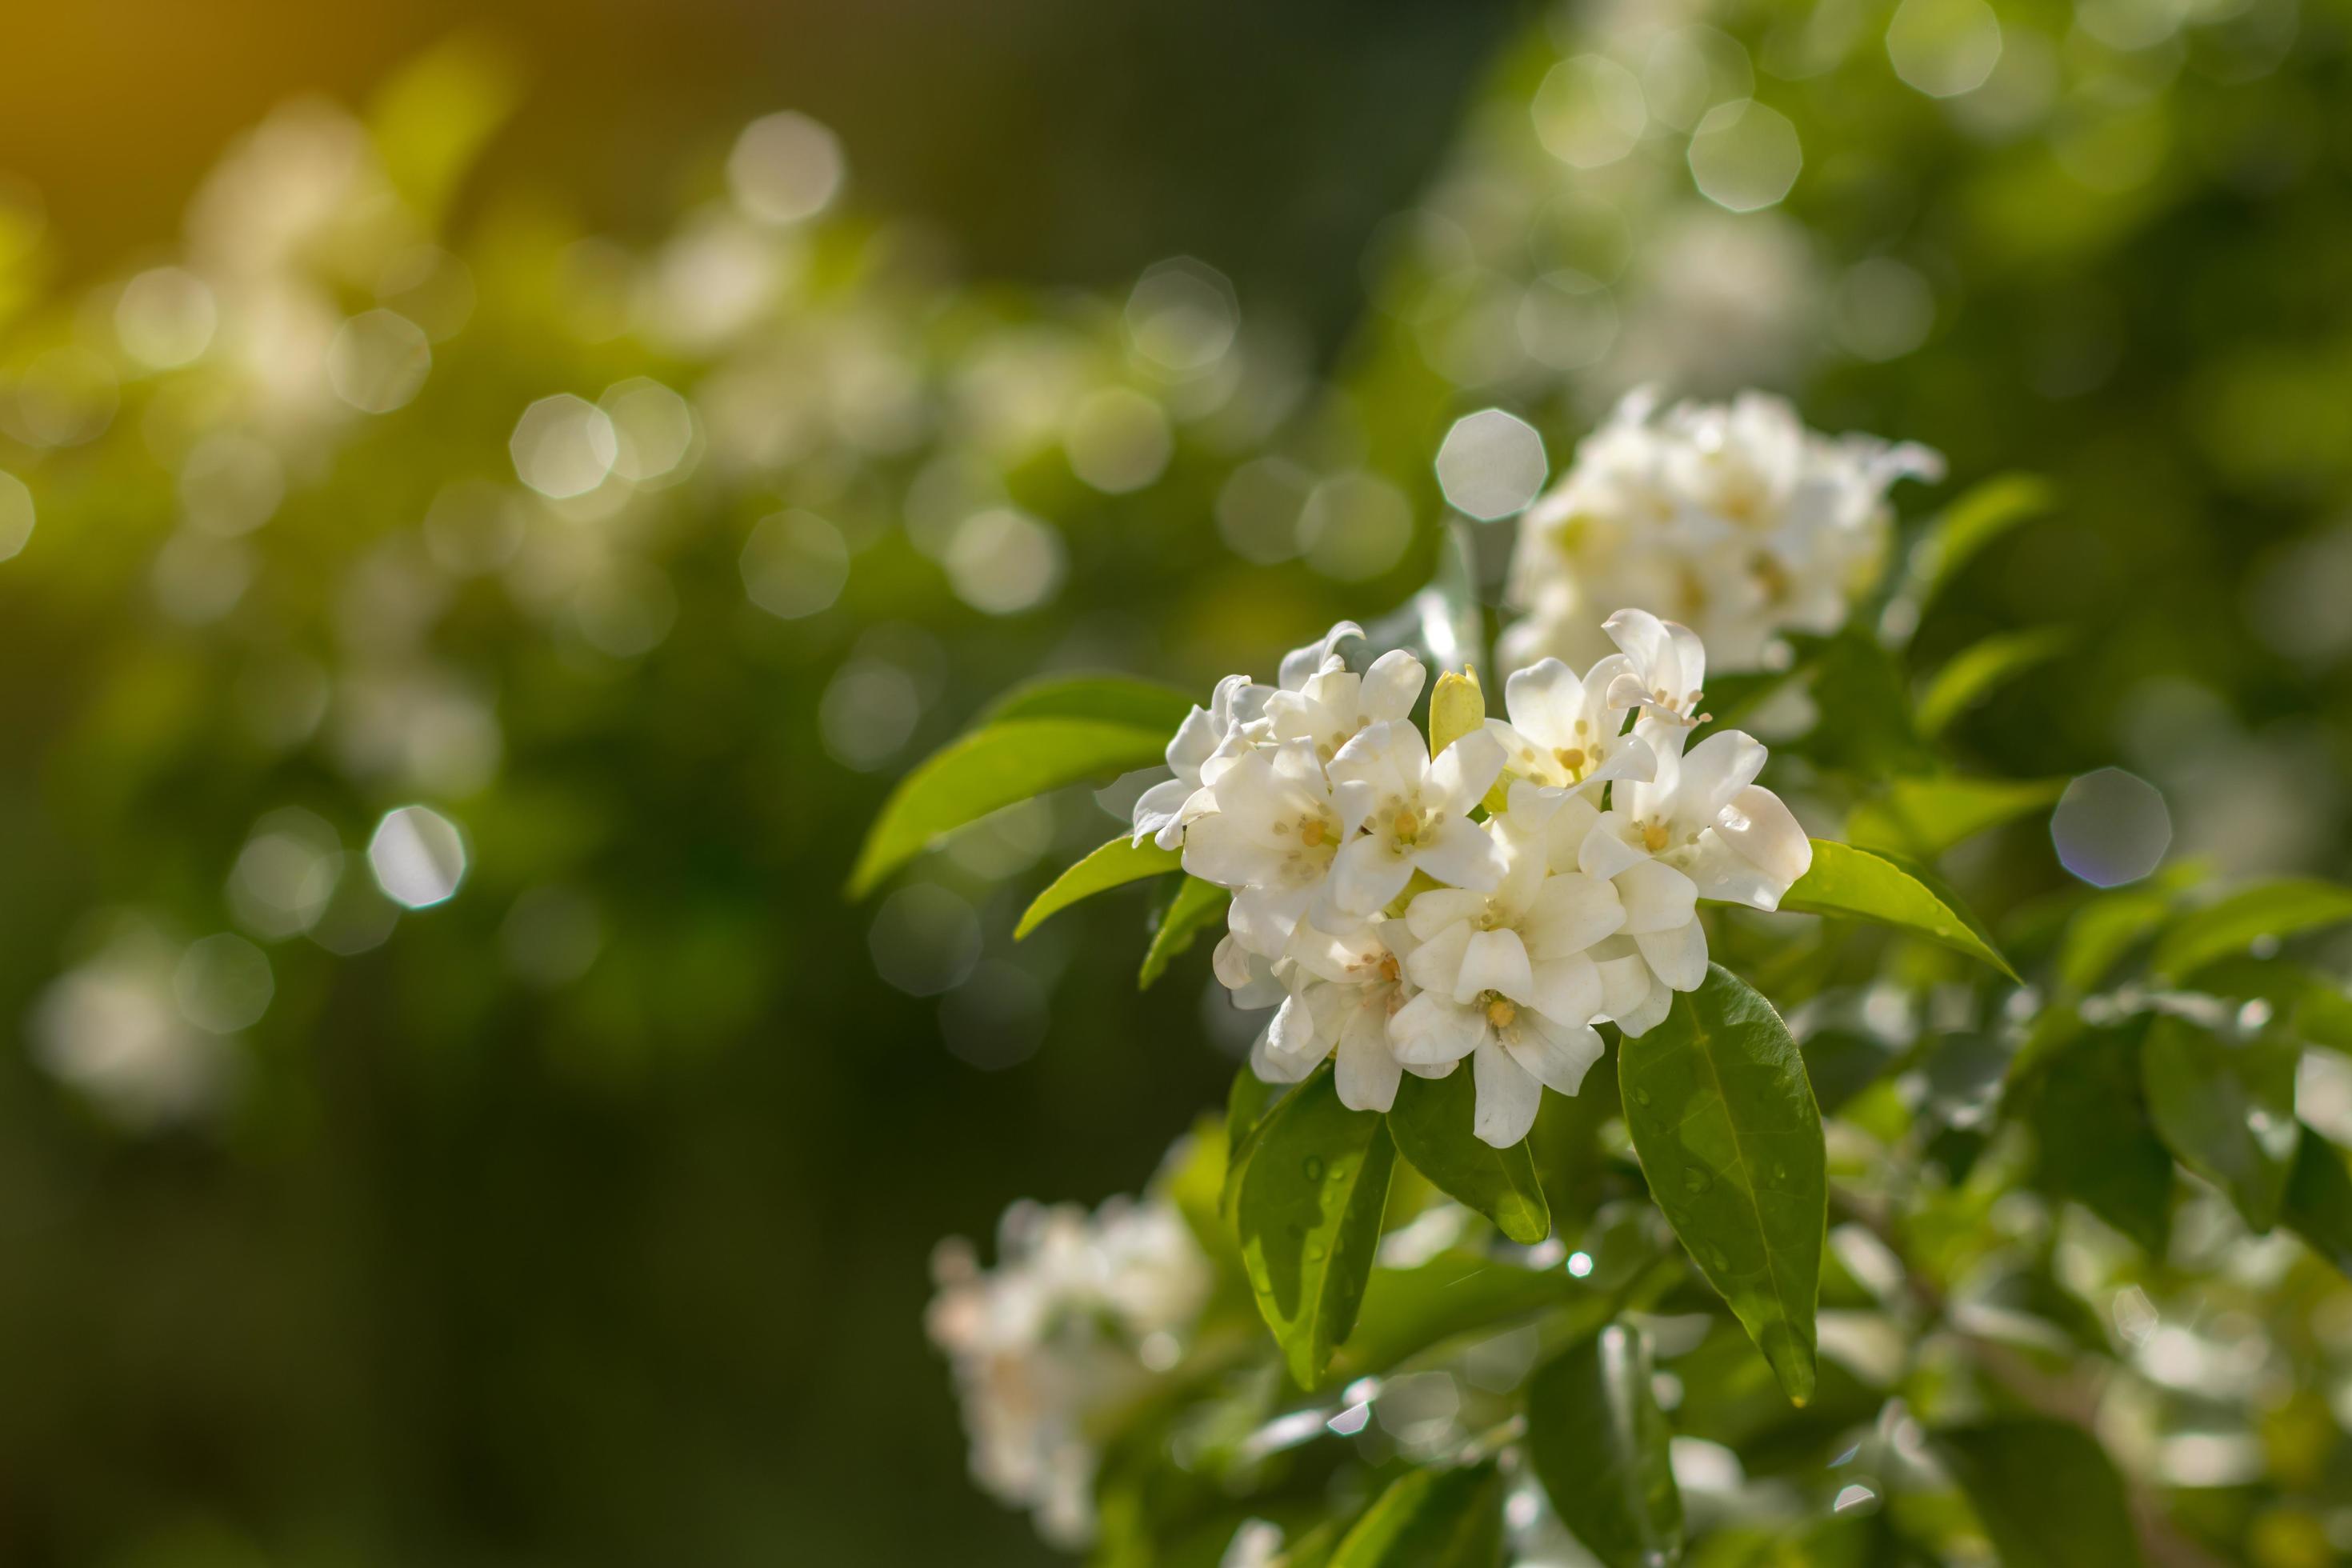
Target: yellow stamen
[
  {"x": 1311, "y": 834},
  {"x": 1653, "y": 837},
  {"x": 1499, "y": 1012},
  {"x": 1571, "y": 758}
]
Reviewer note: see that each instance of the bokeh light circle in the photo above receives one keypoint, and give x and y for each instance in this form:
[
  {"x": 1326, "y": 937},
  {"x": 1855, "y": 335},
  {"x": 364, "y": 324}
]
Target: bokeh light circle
[{"x": 2111, "y": 827}]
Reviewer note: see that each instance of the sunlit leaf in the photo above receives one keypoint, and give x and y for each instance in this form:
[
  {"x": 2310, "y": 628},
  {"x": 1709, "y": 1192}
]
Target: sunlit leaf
[
  {"x": 1196, "y": 906},
  {"x": 2105, "y": 929},
  {"x": 1599, "y": 1446},
  {"x": 2272, "y": 910},
  {"x": 2319, "y": 1199},
  {"x": 1874, "y": 885},
  {"x": 1431, "y": 1122},
  {"x": 1311, "y": 1191},
  {"x": 2045, "y": 1492},
  {"x": 2097, "y": 1143},
  {"x": 1720, "y": 1112},
  {"x": 1926, "y": 817},
  {"x": 1114, "y": 865},
  {"x": 1973, "y": 521},
  {"x": 1975, "y": 671},
  {"x": 1105, "y": 699},
  {"x": 1430, "y": 1519},
  {"x": 2226, "y": 1108},
  {"x": 992, "y": 767}
]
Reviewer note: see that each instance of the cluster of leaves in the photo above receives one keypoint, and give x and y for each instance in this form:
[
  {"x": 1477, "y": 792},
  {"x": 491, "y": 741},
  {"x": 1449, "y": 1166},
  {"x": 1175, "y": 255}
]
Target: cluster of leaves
[{"x": 2111, "y": 1043}]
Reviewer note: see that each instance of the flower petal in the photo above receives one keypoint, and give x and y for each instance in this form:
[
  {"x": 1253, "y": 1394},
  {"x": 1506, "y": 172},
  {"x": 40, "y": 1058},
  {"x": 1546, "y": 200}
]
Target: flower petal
[
  {"x": 1436, "y": 963},
  {"x": 1657, "y": 897},
  {"x": 1676, "y": 957},
  {"x": 1556, "y": 1057},
  {"x": 1365, "y": 876},
  {"x": 1463, "y": 774},
  {"x": 1508, "y": 1097},
  {"x": 1392, "y": 686},
  {"x": 1456, "y": 850},
  {"x": 1569, "y": 912},
  {"x": 1432, "y": 1030},
  {"x": 1761, "y": 826},
  {"x": 1606, "y": 850},
  {"x": 1568, "y": 991},
  {"x": 1366, "y": 1071},
  {"x": 1495, "y": 960}
]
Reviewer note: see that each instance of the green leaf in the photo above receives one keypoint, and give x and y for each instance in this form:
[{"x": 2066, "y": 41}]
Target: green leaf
[
  {"x": 1310, "y": 1205},
  {"x": 2226, "y": 1108},
  {"x": 1974, "y": 520},
  {"x": 2105, "y": 929},
  {"x": 2097, "y": 1143},
  {"x": 1973, "y": 673},
  {"x": 2045, "y": 1492},
  {"x": 1874, "y": 885},
  {"x": 1926, "y": 817},
  {"x": 2319, "y": 1199},
  {"x": 987, "y": 769},
  {"x": 1431, "y": 1122},
  {"x": 1431, "y": 1518},
  {"x": 1313, "y": 1549},
  {"x": 1870, "y": 733},
  {"x": 2273, "y": 910},
  {"x": 1114, "y": 865},
  {"x": 1724, "y": 1120},
  {"x": 1459, "y": 1291},
  {"x": 1196, "y": 906},
  {"x": 1599, "y": 1443},
  {"x": 1246, "y": 1105},
  {"x": 1102, "y": 699}
]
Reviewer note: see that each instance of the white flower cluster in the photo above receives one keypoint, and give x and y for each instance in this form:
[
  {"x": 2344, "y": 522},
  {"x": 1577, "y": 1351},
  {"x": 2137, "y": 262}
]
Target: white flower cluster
[
  {"x": 1732, "y": 517},
  {"x": 1080, "y": 1313},
  {"x": 1404, "y": 913}
]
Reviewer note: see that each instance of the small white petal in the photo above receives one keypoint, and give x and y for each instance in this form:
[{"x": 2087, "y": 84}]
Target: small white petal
[
  {"x": 1392, "y": 686},
  {"x": 1495, "y": 960},
  {"x": 1555, "y": 1057},
  {"x": 1365, "y": 876},
  {"x": 1657, "y": 898},
  {"x": 1508, "y": 1097},
  {"x": 1365, "y": 1071},
  {"x": 1676, "y": 957}
]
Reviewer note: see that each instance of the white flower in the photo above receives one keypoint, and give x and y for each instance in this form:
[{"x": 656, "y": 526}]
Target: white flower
[
  {"x": 1333, "y": 705},
  {"x": 1208, "y": 740},
  {"x": 1732, "y": 517},
  {"x": 1567, "y": 732},
  {"x": 1340, "y": 992},
  {"x": 1403, "y": 812},
  {"x": 1274, "y": 837},
  {"x": 1505, "y": 978},
  {"x": 1697, "y": 826},
  {"x": 1079, "y": 1315}
]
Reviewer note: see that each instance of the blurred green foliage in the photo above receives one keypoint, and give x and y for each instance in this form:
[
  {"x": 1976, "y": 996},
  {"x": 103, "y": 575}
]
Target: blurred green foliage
[{"x": 583, "y": 1218}]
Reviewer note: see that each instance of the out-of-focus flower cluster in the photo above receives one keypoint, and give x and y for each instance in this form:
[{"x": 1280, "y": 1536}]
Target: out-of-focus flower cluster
[
  {"x": 1081, "y": 1313},
  {"x": 1732, "y": 517},
  {"x": 1406, "y": 911}
]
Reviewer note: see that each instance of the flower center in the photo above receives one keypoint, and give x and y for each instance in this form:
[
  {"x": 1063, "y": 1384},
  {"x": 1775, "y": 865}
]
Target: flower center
[
  {"x": 1500, "y": 1011},
  {"x": 1653, "y": 837},
  {"x": 1388, "y": 968},
  {"x": 1406, "y": 829},
  {"x": 1570, "y": 758},
  {"x": 1310, "y": 833}
]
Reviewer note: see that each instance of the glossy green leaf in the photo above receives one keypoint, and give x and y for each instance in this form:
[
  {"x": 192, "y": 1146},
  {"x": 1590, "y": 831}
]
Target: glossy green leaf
[
  {"x": 2226, "y": 1108},
  {"x": 1100, "y": 699},
  {"x": 1194, "y": 907},
  {"x": 2045, "y": 1492},
  {"x": 1246, "y": 1105},
  {"x": 1430, "y": 1519},
  {"x": 1114, "y": 865},
  {"x": 2319, "y": 1199},
  {"x": 992, "y": 767},
  {"x": 1431, "y": 1122},
  {"x": 1977, "y": 670},
  {"x": 1873, "y": 885},
  {"x": 1724, "y": 1120},
  {"x": 1973, "y": 521},
  {"x": 2273, "y": 910},
  {"x": 1599, "y": 1446},
  {"x": 1311, "y": 1191},
  {"x": 2097, "y": 1143},
  {"x": 1926, "y": 817}
]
